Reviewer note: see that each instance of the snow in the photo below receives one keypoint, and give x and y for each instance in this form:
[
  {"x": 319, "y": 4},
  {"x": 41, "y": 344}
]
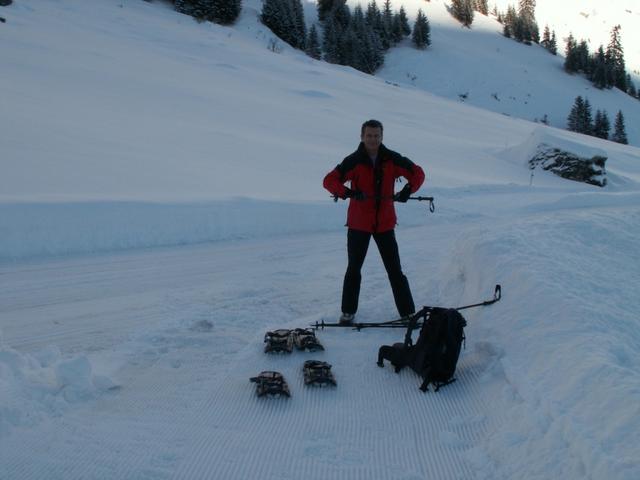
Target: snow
[
  {"x": 517, "y": 80},
  {"x": 161, "y": 208}
]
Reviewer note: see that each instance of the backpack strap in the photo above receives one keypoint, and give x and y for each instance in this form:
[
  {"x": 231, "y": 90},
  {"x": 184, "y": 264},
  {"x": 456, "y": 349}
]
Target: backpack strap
[
  {"x": 425, "y": 385},
  {"x": 413, "y": 323}
]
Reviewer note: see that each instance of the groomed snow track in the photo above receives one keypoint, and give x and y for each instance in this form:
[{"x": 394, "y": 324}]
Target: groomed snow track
[
  {"x": 374, "y": 424},
  {"x": 185, "y": 329}
]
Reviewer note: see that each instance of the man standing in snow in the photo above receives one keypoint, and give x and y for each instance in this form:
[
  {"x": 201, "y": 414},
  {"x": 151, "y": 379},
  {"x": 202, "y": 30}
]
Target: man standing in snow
[{"x": 372, "y": 170}]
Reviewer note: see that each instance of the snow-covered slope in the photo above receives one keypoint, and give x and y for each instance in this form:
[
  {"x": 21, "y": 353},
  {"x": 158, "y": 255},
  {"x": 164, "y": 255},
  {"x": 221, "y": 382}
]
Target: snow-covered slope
[
  {"x": 127, "y": 125},
  {"x": 480, "y": 67},
  {"x": 132, "y": 156},
  {"x": 593, "y": 21}
]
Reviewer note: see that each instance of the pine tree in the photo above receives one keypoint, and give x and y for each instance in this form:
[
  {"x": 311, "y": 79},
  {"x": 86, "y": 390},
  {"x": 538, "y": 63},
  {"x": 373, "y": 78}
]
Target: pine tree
[
  {"x": 404, "y": 21},
  {"x": 341, "y": 14},
  {"x": 509, "y": 21},
  {"x": 373, "y": 16},
  {"x": 285, "y": 18},
  {"x": 527, "y": 8},
  {"x": 583, "y": 62},
  {"x": 615, "y": 58},
  {"x": 270, "y": 15},
  {"x": 574, "y": 120},
  {"x": 371, "y": 56},
  {"x": 324, "y": 7},
  {"x": 387, "y": 25},
  {"x": 586, "y": 119},
  {"x": 331, "y": 40},
  {"x": 631, "y": 87},
  {"x": 506, "y": 30},
  {"x": 527, "y": 16},
  {"x": 546, "y": 37},
  {"x": 462, "y": 10},
  {"x": 599, "y": 69},
  {"x": 518, "y": 29},
  {"x": 601, "y": 125},
  {"x": 199, "y": 9},
  {"x": 312, "y": 47},
  {"x": 619, "y": 131},
  {"x": 374, "y": 19},
  {"x": 299, "y": 26},
  {"x": 570, "y": 60},
  {"x": 336, "y": 22},
  {"x": 553, "y": 45},
  {"x": 482, "y": 6},
  {"x": 351, "y": 49},
  {"x": 421, "y": 31},
  {"x": 397, "y": 33},
  {"x": 226, "y": 12}
]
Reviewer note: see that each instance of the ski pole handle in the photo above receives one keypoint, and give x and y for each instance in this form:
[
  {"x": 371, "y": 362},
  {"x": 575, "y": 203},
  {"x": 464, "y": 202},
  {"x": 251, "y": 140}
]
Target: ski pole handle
[{"x": 432, "y": 207}]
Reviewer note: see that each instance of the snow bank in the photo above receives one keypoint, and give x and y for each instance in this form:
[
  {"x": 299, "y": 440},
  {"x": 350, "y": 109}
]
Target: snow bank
[
  {"x": 36, "y": 386},
  {"x": 526, "y": 150},
  {"x": 46, "y": 229},
  {"x": 41, "y": 229},
  {"x": 568, "y": 333}
]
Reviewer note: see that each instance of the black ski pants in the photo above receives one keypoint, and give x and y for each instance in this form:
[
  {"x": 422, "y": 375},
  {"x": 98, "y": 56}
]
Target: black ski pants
[{"x": 357, "y": 246}]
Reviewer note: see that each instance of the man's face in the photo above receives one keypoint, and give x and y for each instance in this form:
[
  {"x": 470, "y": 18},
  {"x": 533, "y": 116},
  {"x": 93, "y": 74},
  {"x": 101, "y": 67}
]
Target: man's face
[{"x": 372, "y": 138}]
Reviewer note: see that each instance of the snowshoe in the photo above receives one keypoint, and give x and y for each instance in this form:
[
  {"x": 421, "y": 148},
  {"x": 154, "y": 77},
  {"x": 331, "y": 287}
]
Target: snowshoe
[
  {"x": 271, "y": 383},
  {"x": 280, "y": 340},
  {"x": 318, "y": 373},
  {"x": 305, "y": 339}
]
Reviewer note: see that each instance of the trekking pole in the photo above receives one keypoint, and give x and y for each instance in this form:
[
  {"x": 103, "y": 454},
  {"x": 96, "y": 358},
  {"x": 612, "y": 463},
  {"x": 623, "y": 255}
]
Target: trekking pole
[
  {"x": 432, "y": 207},
  {"x": 403, "y": 322},
  {"x": 497, "y": 294},
  {"x": 358, "y": 326}
]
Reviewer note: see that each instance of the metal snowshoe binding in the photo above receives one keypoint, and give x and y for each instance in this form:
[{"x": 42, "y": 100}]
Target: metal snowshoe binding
[
  {"x": 317, "y": 372},
  {"x": 271, "y": 383},
  {"x": 280, "y": 340},
  {"x": 305, "y": 339}
]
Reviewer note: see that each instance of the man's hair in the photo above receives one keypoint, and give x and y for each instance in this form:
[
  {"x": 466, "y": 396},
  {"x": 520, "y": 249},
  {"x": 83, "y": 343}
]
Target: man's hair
[{"x": 371, "y": 124}]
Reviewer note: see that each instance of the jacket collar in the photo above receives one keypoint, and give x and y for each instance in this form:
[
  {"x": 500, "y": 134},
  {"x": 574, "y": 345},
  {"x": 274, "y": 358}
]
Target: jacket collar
[{"x": 362, "y": 152}]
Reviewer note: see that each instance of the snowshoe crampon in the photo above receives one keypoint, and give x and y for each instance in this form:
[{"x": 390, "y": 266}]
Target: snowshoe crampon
[
  {"x": 271, "y": 383},
  {"x": 305, "y": 339},
  {"x": 280, "y": 340},
  {"x": 317, "y": 372}
]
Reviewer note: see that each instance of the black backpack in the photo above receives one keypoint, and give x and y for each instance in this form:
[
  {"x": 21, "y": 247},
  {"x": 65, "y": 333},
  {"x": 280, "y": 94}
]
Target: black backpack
[{"x": 435, "y": 354}]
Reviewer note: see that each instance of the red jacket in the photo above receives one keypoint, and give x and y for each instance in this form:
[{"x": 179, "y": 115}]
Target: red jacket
[{"x": 376, "y": 213}]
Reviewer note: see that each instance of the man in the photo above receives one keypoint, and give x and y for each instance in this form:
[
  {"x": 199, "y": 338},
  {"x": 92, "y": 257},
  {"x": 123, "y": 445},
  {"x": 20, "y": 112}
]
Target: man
[{"x": 372, "y": 170}]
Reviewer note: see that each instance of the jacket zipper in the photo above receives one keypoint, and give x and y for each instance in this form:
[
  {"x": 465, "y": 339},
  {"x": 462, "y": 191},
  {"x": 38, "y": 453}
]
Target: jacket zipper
[{"x": 377, "y": 188}]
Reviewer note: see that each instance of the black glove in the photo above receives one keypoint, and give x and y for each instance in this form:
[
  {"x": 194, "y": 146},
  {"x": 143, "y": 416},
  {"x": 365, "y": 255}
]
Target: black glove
[
  {"x": 403, "y": 195},
  {"x": 355, "y": 194}
]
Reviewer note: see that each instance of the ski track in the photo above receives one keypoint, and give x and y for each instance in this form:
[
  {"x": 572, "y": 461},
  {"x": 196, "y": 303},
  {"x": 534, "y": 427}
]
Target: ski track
[
  {"x": 372, "y": 405},
  {"x": 189, "y": 325}
]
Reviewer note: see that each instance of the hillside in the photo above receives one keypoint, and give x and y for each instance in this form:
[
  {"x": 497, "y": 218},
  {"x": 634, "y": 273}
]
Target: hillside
[
  {"x": 501, "y": 75},
  {"x": 86, "y": 139}
]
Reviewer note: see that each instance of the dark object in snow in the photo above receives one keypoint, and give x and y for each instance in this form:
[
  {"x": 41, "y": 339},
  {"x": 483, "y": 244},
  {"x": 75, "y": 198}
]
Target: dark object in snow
[
  {"x": 3, "y": 20},
  {"x": 409, "y": 320},
  {"x": 435, "y": 354},
  {"x": 317, "y": 372},
  {"x": 280, "y": 340},
  {"x": 305, "y": 339},
  {"x": 271, "y": 383},
  {"x": 570, "y": 166},
  {"x": 5, "y": 3}
]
